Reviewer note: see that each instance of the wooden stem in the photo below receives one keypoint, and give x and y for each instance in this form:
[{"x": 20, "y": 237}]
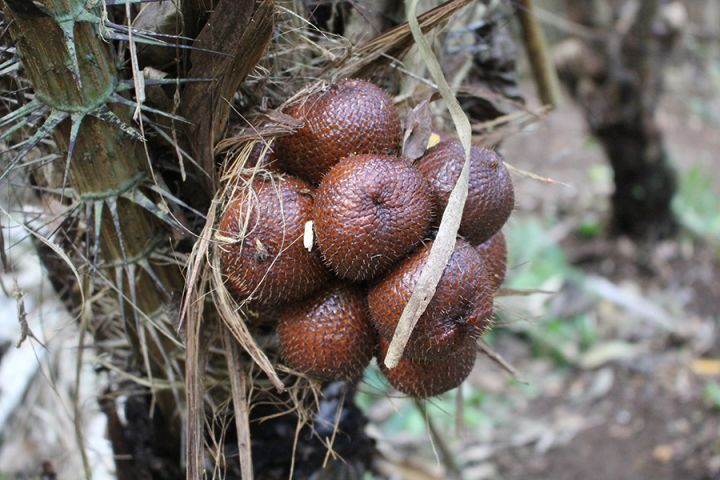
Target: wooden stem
[{"x": 539, "y": 57}]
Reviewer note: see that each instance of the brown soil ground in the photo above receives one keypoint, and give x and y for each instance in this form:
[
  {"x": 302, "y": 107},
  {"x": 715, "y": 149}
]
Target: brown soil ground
[{"x": 650, "y": 420}]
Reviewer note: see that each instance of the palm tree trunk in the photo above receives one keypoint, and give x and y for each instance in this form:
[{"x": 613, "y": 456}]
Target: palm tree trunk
[
  {"x": 74, "y": 78},
  {"x": 616, "y": 78}
]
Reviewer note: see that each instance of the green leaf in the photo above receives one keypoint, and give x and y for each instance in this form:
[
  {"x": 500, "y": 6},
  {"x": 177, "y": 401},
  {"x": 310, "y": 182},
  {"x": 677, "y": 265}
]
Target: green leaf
[{"x": 712, "y": 395}]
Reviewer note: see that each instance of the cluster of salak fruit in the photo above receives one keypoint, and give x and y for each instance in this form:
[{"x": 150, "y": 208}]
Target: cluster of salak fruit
[{"x": 373, "y": 216}]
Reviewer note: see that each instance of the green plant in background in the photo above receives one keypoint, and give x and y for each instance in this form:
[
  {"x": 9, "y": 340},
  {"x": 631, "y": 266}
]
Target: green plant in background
[
  {"x": 535, "y": 259},
  {"x": 711, "y": 394},
  {"x": 563, "y": 339},
  {"x": 697, "y": 205},
  {"x": 407, "y": 418}
]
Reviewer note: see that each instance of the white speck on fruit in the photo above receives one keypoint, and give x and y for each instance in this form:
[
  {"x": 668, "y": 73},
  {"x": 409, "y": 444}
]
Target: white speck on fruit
[{"x": 308, "y": 237}]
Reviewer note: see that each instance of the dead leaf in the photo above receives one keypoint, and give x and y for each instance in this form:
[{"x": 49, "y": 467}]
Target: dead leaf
[
  {"x": 433, "y": 140},
  {"x": 25, "y": 331},
  {"x": 418, "y": 130},
  {"x": 608, "y": 352},
  {"x": 242, "y": 31},
  {"x": 262, "y": 252},
  {"x": 663, "y": 453},
  {"x": 368, "y": 57},
  {"x": 160, "y": 17},
  {"x": 705, "y": 367}
]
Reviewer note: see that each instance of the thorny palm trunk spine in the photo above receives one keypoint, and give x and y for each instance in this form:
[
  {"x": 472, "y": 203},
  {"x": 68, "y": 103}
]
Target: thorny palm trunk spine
[{"x": 74, "y": 78}]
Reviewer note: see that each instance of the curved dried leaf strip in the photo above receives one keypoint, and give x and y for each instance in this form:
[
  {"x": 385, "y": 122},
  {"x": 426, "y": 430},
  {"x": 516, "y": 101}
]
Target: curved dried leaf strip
[
  {"x": 241, "y": 403},
  {"x": 444, "y": 243},
  {"x": 240, "y": 331},
  {"x": 391, "y": 44},
  {"x": 195, "y": 278}
]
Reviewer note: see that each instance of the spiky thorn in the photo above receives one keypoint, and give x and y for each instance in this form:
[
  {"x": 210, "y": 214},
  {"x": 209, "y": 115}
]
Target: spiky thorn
[
  {"x": 68, "y": 28},
  {"x": 164, "y": 135},
  {"x": 111, "y": 33},
  {"x": 139, "y": 198},
  {"x": 112, "y": 204},
  {"x": 45, "y": 131},
  {"x": 76, "y": 119},
  {"x": 21, "y": 112},
  {"x": 98, "y": 206},
  {"x": 112, "y": 3},
  {"x": 147, "y": 267},
  {"x": 9, "y": 66},
  {"x": 88, "y": 230},
  {"x": 121, "y": 304},
  {"x": 128, "y": 85},
  {"x": 130, "y": 103},
  {"x": 27, "y": 120},
  {"x": 158, "y": 189},
  {"x": 145, "y": 33},
  {"x": 104, "y": 113}
]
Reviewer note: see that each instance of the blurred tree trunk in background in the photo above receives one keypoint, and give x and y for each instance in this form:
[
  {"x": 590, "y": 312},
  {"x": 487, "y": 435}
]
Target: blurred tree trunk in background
[{"x": 614, "y": 71}]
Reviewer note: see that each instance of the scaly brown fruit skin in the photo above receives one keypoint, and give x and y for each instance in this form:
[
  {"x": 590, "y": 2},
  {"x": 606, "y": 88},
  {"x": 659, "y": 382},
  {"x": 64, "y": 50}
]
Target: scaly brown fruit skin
[
  {"x": 369, "y": 212},
  {"x": 270, "y": 266},
  {"x": 491, "y": 197},
  {"x": 422, "y": 379},
  {"x": 494, "y": 253},
  {"x": 461, "y": 308},
  {"x": 351, "y": 117},
  {"x": 328, "y": 336}
]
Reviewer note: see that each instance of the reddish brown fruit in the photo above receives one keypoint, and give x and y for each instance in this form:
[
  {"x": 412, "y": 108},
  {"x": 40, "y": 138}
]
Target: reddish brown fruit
[
  {"x": 328, "y": 336},
  {"x": 350, "y": 117},
  {"x": 270, "y": 266},
  {"x": 494, "y": 253},
  {"x": 461, "y": 308},
  {"x": 491, "y": 197},
  {"x": 370, "y": 211},
  {"x": 421, "y": 379}
]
